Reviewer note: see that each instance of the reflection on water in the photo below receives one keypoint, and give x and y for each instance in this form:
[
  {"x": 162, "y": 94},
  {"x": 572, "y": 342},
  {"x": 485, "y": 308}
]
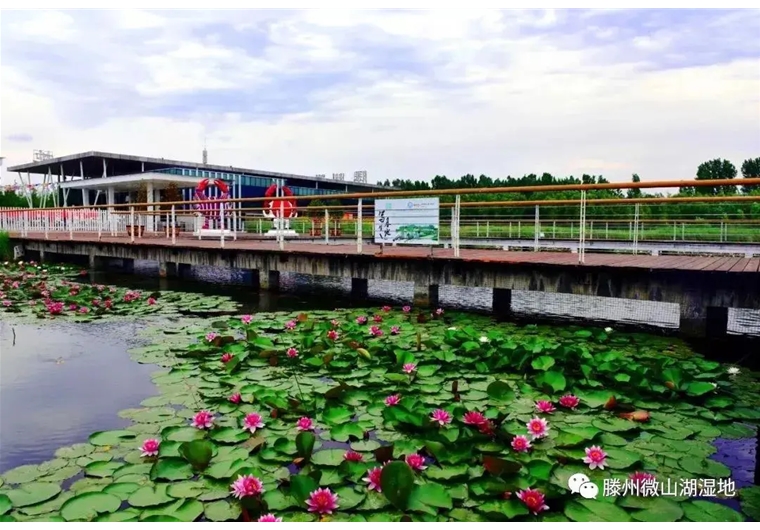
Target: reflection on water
[{"x": 60, "y": 383}]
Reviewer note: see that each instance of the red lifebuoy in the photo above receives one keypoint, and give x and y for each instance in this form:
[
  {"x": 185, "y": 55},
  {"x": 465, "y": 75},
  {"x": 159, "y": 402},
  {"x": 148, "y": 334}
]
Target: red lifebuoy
[{"x": 281, "y": 204}]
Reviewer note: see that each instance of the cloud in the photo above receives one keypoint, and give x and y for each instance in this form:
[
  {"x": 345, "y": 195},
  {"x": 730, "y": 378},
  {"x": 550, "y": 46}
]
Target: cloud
[
  {"x": 19, "y": 138},
  {"x": 399, "y": 93}
]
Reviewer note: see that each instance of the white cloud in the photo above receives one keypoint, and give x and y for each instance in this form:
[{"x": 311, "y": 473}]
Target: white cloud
[{"x": 494, "y": 93}]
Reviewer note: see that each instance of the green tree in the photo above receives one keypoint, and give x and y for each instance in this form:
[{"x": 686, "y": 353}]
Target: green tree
[
  {"x": 716, "y": 169},
  {"x": 635, "y": 193},
  {"x": 751, "y": 170}
]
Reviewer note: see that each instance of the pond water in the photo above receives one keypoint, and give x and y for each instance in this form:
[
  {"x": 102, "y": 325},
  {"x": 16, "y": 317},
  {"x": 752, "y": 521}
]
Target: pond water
[{"x": 61, "y": 381}]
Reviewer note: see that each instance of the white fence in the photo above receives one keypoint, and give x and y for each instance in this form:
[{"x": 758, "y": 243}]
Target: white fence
[{"x": 65, "y": 220}]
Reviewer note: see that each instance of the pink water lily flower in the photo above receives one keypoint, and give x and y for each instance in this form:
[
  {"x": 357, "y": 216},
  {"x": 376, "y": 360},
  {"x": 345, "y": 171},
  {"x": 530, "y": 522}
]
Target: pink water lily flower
[
  {"x": 292, "y": 353},
  {"x": 521, "y": 444},
  {"x": 150, "y": 447},
  {"x": 84, "y": 310},
  {"x": 72, "y": 307},
  {"x": 440, "y": 416},
  {"x": 375, "y": 331},
  {"x": 305, "y": 424},
  {"x": 252, "y": 421},
  {"x": 236, "y": 398},
  {"x": 210, "y": 336},
  {"x": 637, "y": 477},
  {"x": 377, "y": 318},
  {"x": 352, "y": 456},
  {"x": 569, "y": 401},
  {"x": 334, "y": 323},
  {"x": 406, "y": 308},
  {"x": 595, "y": 457},
  {"x": 373, "y": 479},
  {"x": 227, "y": 357},
  {"x": 416, "y": 462},
  {"x": 246, "y": 486},
  {"x": 545, "y": 406},
  {"x": 333, "y": 335},
  {"x": 537, "y": 428},
  {"x": 246, "y": 319},
  {"x": 203, "y": 420},
  {"x": 533, "y": 500},
  {"x": 7, "y": 303},
  {"x": 361, "y": 320},
  {"x": 474, "y": 418},
  {"x": 322, "y": 501},
  {"x": 291, "y": 324},
  {"x": 439, "y": 311},
  {"x": 269, "y": 518},
  {"x": 392, "y": 400},
  {"x": 395, "y": 330},
  {"x": 409, "y": 368},
  {"x": 386, "y": 308},
  {"x": 151, "y": 301}
]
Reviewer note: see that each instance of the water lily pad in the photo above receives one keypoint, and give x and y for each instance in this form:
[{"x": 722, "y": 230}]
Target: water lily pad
[
  {"x": 230, "y": 435},
  {"x": 87, "y": 506},
  {"x": 328, "y": 457},
  {"x": 582, "y": 510},
  {"x": 102, "y": 469},
  {"x": 74, "y": 451},
  {"x": 181, "y": 434},
  {"x": 123, "y": 516},
  {"x": 111, "y": 437},
  {"x": 121, "y": 489},
  {"x": 5, "y": 504},
  {"x": 33, "y": 493},
  {"x": 184, "y": 510},
  {"x": 22, "y": 474},
  {"x": 171, "y": 469},
  {"x": 705, "y": 468},
  {"x": 222, "y": 511},
  {"x": 148, "y": 496}
]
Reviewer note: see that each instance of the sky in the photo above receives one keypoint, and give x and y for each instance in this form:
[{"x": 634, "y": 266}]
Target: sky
[{"x": 398, "y": 93}]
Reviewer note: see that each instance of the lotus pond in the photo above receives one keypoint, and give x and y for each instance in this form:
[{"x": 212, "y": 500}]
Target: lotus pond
[{"x": 388, "y": 414}]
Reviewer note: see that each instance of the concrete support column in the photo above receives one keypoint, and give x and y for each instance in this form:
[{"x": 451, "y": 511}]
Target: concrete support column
[
  {"x": 149, "y": 218},
  {"x": 359, "y": 288},
  {"x": 425, "y": 295},
  {"x": 502, "y": 303},
  {"x": 42, "y": 256},
  {"x": 85, "y": 197},
  {"x": 167, "y": 269},
  {"x": 110, "y": 197},
  {"x": 269, "y": 280}
]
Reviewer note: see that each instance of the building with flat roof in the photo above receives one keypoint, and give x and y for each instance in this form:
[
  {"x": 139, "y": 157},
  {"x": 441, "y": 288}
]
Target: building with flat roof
[{"x": 109, "y": 178}]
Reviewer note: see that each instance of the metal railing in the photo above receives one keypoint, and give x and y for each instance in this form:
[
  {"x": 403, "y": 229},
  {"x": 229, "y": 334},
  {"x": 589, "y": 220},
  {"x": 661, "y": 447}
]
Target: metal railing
[{"x": 232, "y": 218}]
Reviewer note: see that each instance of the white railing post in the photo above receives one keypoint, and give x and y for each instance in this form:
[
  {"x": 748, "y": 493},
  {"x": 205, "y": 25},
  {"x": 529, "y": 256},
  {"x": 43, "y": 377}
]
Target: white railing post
[
  {"x": 582, "y": 229},
  {"x": 457, "y": 224},
  {"x": 25, "y": 228},
  {"x": 235, "y": 220},
  {"x": 280, "y": 228},
  {"x": 359, "y": 227},
  {"x": 71, "y": 223},
  {"x": 132, "y": 223},
  {"x": 46, "y": 220},
  {"x": 536, "y": 230},
  {"x": 636, "y": 228},
  {"x": 221, "y": 222},
  {"x": 327, "y": 227},
  {"x": 99, "y": 220},
  {"x": 174, "y": 224}
]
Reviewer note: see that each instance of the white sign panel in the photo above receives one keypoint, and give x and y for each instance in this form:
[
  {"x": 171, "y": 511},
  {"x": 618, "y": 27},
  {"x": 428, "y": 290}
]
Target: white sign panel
[{"x": 407, "y": 221}]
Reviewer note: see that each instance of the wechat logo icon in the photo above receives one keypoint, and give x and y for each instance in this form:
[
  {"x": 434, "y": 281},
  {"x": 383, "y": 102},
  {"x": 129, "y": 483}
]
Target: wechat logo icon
[{"x": 580, "y": 483}]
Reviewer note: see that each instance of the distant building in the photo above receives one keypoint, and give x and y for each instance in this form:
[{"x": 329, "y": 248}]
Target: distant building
[{"x": 110, "y": 178}]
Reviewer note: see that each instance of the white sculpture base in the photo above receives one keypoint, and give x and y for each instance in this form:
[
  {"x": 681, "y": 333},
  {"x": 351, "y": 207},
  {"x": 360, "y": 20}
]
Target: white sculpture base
[
  {"x": 286, "y": 231},
  {"x": 283, "y": 233}
]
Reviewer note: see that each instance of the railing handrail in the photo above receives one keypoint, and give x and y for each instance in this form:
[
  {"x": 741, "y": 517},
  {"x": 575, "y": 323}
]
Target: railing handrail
[{"x": 483, "y": 191}]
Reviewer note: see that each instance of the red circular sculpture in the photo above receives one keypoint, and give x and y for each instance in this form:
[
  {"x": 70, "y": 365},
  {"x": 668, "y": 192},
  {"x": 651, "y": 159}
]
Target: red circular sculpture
[{"x": 281, "y": 206}]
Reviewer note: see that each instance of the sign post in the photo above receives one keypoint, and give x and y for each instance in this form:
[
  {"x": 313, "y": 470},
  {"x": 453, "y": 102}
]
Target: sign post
[{"x": 414, "y": 221}]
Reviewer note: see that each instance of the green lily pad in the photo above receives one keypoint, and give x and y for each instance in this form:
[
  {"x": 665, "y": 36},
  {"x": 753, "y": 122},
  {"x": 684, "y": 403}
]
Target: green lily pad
[
  {"x": 33, "y": 493},
  {"x": 111, "y": 437},
  {"x": 87, "y": 506},
  {"x": 221, "y": 511}
]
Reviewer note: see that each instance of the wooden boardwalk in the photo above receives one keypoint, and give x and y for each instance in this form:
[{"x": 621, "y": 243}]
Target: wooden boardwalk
[{"x": 562, "y": 259}]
